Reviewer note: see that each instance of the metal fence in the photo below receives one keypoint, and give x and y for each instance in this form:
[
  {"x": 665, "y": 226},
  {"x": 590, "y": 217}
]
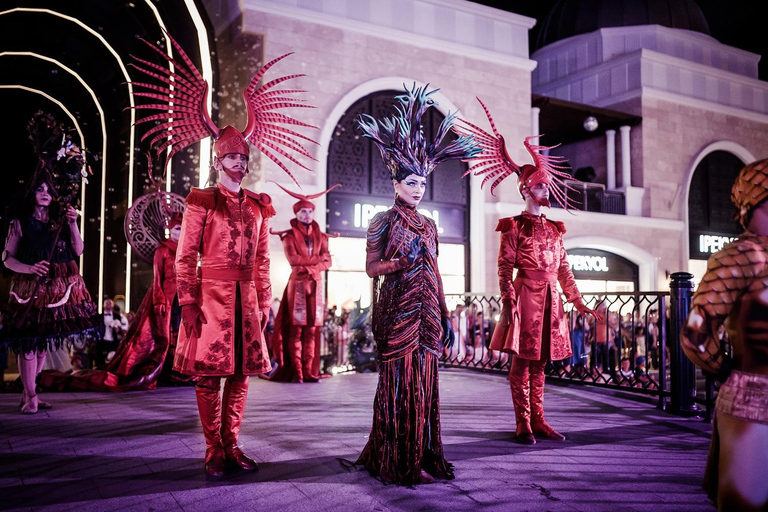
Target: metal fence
[{"x": 634, "y": 348}]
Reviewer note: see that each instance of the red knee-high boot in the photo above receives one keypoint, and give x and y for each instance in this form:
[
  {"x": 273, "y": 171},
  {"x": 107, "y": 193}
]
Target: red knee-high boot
[
  {"x": 308, "y": 353},
  {"x": 235, "y": 395},
  {"x": 209, "y": 406},
  {"x": 294, "y": 345},
  {"x": 538, "y": 423},
  {"x": 519, "y": 383}
]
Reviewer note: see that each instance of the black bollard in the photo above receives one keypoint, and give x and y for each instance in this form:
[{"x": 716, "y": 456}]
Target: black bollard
[{"x": 682, "y": 370}]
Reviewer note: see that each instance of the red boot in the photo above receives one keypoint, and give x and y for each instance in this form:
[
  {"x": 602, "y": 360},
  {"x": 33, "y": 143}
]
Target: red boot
[
  {"x": 519, "y": 383},
  {"x": 209, "y": 407},
  {"x": 294, "y": 346},
  {"x": 538, "y": 423},
  {"x": 308, "y": 354},
  {"x": 235, "y": 395}
]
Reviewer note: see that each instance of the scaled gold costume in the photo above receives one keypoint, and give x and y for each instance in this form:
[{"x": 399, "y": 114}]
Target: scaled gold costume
[{"x": 734, "y": 293}]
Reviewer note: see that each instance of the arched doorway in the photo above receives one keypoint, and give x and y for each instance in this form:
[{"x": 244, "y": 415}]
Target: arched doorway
[
  {"x": 355, "y": 162},
  {"x": 710, "y": 210}
]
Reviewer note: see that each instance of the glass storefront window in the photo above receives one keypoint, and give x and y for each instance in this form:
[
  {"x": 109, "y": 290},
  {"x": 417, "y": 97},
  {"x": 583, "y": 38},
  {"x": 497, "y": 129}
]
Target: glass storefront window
[{"x": 348, "y": 282}]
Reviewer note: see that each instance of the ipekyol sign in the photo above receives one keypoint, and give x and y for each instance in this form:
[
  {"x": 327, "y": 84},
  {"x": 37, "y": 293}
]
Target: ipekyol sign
[
  {"x": 351, "y": 215},
  {"x": 703, "y": 245}
]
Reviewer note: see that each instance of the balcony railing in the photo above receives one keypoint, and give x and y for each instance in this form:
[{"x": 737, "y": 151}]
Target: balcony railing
[{"x": 592, "y": 197}]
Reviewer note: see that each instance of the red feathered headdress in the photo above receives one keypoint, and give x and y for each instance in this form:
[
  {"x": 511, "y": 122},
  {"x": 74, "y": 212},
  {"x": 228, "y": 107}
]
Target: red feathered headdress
[
  {"x": 495, "y": 163},
  {"x": 180, "y": 96}
]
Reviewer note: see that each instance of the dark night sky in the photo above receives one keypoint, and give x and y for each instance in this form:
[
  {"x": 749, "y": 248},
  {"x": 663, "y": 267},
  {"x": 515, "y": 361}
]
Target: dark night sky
[{"x": 738, "y": 23}]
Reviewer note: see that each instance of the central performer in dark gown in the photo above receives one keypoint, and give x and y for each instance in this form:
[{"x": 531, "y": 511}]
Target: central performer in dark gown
[{"x": 408, "y": 304}]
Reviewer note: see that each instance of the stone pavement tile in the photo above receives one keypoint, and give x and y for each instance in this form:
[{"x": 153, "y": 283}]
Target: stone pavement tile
[
  {"x": 244, "y": 496},
  {"x": 153, "y": 502},
  {"x": 133, "y": 448}
]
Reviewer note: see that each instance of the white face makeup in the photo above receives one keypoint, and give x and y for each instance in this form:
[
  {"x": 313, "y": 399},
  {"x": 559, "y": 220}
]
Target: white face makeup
[
  {"x": 305, "y": 215},
  {"x": 42, "y": 195},
  {"x": 174, "y": 233}
]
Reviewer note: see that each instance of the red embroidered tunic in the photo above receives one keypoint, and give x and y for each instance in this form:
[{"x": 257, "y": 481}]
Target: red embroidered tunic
[
  {"x": 228, "y": 233},
  {"x": 534, "y": 246}
]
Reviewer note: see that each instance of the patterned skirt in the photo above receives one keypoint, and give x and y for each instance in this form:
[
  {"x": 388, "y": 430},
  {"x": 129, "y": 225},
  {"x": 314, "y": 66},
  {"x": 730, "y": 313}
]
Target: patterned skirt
[
  {"x": 405, "y": 436},
  {"x": 60, "y": 311}
]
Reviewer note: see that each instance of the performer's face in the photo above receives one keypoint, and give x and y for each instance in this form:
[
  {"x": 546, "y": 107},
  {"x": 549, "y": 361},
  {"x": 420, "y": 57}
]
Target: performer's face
[
  {"x": 235, "y": 165},
  {"x": 42, "y": 195},
  {"x": 539, "y": 192},
  {"x": 175, "y": 232},
  {"x": 305, "y": 215},
  {"x": 411, "y": 189}
]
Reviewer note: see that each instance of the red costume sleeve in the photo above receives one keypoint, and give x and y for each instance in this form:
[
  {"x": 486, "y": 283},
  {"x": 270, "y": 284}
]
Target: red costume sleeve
[
  {"x": 325, "y": 255},
  {"x": 190, "y": 241},
  {"x": 261, "y": 266},
  {"x": 568, "y": 283},
  {"x": 507, "y": 258},
  {"x": 294, "y": 258},
  {"x": 377, "y": 235}
]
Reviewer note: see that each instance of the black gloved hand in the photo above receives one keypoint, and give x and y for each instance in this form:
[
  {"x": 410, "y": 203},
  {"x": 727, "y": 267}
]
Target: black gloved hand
[
  {"x": 415, "y": 250},
  {"x": 449, "y": 337}
]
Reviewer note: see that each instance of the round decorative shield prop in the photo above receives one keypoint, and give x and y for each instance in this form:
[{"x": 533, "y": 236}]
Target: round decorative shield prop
[{"x": 147, "y": 219}]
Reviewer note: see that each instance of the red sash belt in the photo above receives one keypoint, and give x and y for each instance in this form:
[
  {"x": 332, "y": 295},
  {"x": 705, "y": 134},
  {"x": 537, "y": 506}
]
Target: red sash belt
[
  {"x": 537, "y": 275},
  {"x": 223, "y": 274}
]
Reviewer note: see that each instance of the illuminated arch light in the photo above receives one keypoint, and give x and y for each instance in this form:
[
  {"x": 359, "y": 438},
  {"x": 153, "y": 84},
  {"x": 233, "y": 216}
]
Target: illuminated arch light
[
  {"x": 103, "y": 151},
  {"x": 77, "y": 129},
  {"x": 205, "y": 146}
]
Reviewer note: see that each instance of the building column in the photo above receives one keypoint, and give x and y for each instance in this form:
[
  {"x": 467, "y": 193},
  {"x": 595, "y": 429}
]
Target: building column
[
  {"x": 535, "y": 111},
  {"x": 626, "y": 168},
  {"x": 610, "y": 156}
]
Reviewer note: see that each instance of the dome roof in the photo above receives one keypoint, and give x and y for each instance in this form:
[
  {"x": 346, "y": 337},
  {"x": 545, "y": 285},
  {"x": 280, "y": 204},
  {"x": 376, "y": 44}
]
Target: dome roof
[{"x": 573, "y": 17}]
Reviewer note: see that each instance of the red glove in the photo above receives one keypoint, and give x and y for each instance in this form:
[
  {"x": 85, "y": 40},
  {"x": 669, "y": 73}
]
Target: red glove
[
  {"x": 264, "y": 318},
  {"x": 192, "y": 318}
]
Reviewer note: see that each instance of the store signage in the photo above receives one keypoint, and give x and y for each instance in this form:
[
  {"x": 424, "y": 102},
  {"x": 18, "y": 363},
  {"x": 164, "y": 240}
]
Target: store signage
[
  {"x": 364, "y": 212},
  {"x": 710, "y": 244},
  {"x": 351, "y": 215},
  {"x": 704, "y": 244},
  {"x": 588, "y": 263},
  {"x": 601, "y": 265}
]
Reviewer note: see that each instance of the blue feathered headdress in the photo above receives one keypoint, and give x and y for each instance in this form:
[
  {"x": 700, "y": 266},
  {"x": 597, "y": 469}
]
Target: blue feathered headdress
[{"x": 400, "y": 138}]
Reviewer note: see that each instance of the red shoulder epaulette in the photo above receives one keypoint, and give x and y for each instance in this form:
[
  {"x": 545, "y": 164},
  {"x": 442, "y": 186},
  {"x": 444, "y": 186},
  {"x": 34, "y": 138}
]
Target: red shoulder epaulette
[
  {"x": 504, "y": 224},
  {"x": 205, "y": 197},
  {"x": 559, "y": 225},
  {"x": 264, "y": 202}
]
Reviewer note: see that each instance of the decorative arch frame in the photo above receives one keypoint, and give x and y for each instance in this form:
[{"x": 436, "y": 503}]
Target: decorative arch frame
[
  {"x": 731, "y": 147},
  {"x": 445, "y": 105},
  {"x": 647, "y": 263}
]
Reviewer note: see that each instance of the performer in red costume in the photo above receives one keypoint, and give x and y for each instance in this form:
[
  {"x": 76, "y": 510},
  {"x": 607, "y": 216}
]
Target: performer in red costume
[
  {"x": 532, "y": 325},
  {"x": 140, "y": 359},
  {"x": 296, "y": 339},
  {"x": 225, "y": 299},
  {"x": 734, "y": 293},
  {"x": 408, "y": 304}
]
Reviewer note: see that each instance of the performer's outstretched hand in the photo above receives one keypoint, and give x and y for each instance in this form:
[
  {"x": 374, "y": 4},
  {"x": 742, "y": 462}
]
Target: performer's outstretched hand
[
  {"x": 193, "y": 319},
  {"x": 506, "y": 309},
  {"x": 161, "y": 310},
  {"x": 449, "y": 337},
  {"x": 587, "y": 311},
  {"x": 415, "y": 250}
]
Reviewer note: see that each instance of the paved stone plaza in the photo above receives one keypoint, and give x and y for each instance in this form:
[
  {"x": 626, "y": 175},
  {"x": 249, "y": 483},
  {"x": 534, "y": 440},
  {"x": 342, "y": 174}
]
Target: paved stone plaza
[{"x": 142, "y": 451}]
